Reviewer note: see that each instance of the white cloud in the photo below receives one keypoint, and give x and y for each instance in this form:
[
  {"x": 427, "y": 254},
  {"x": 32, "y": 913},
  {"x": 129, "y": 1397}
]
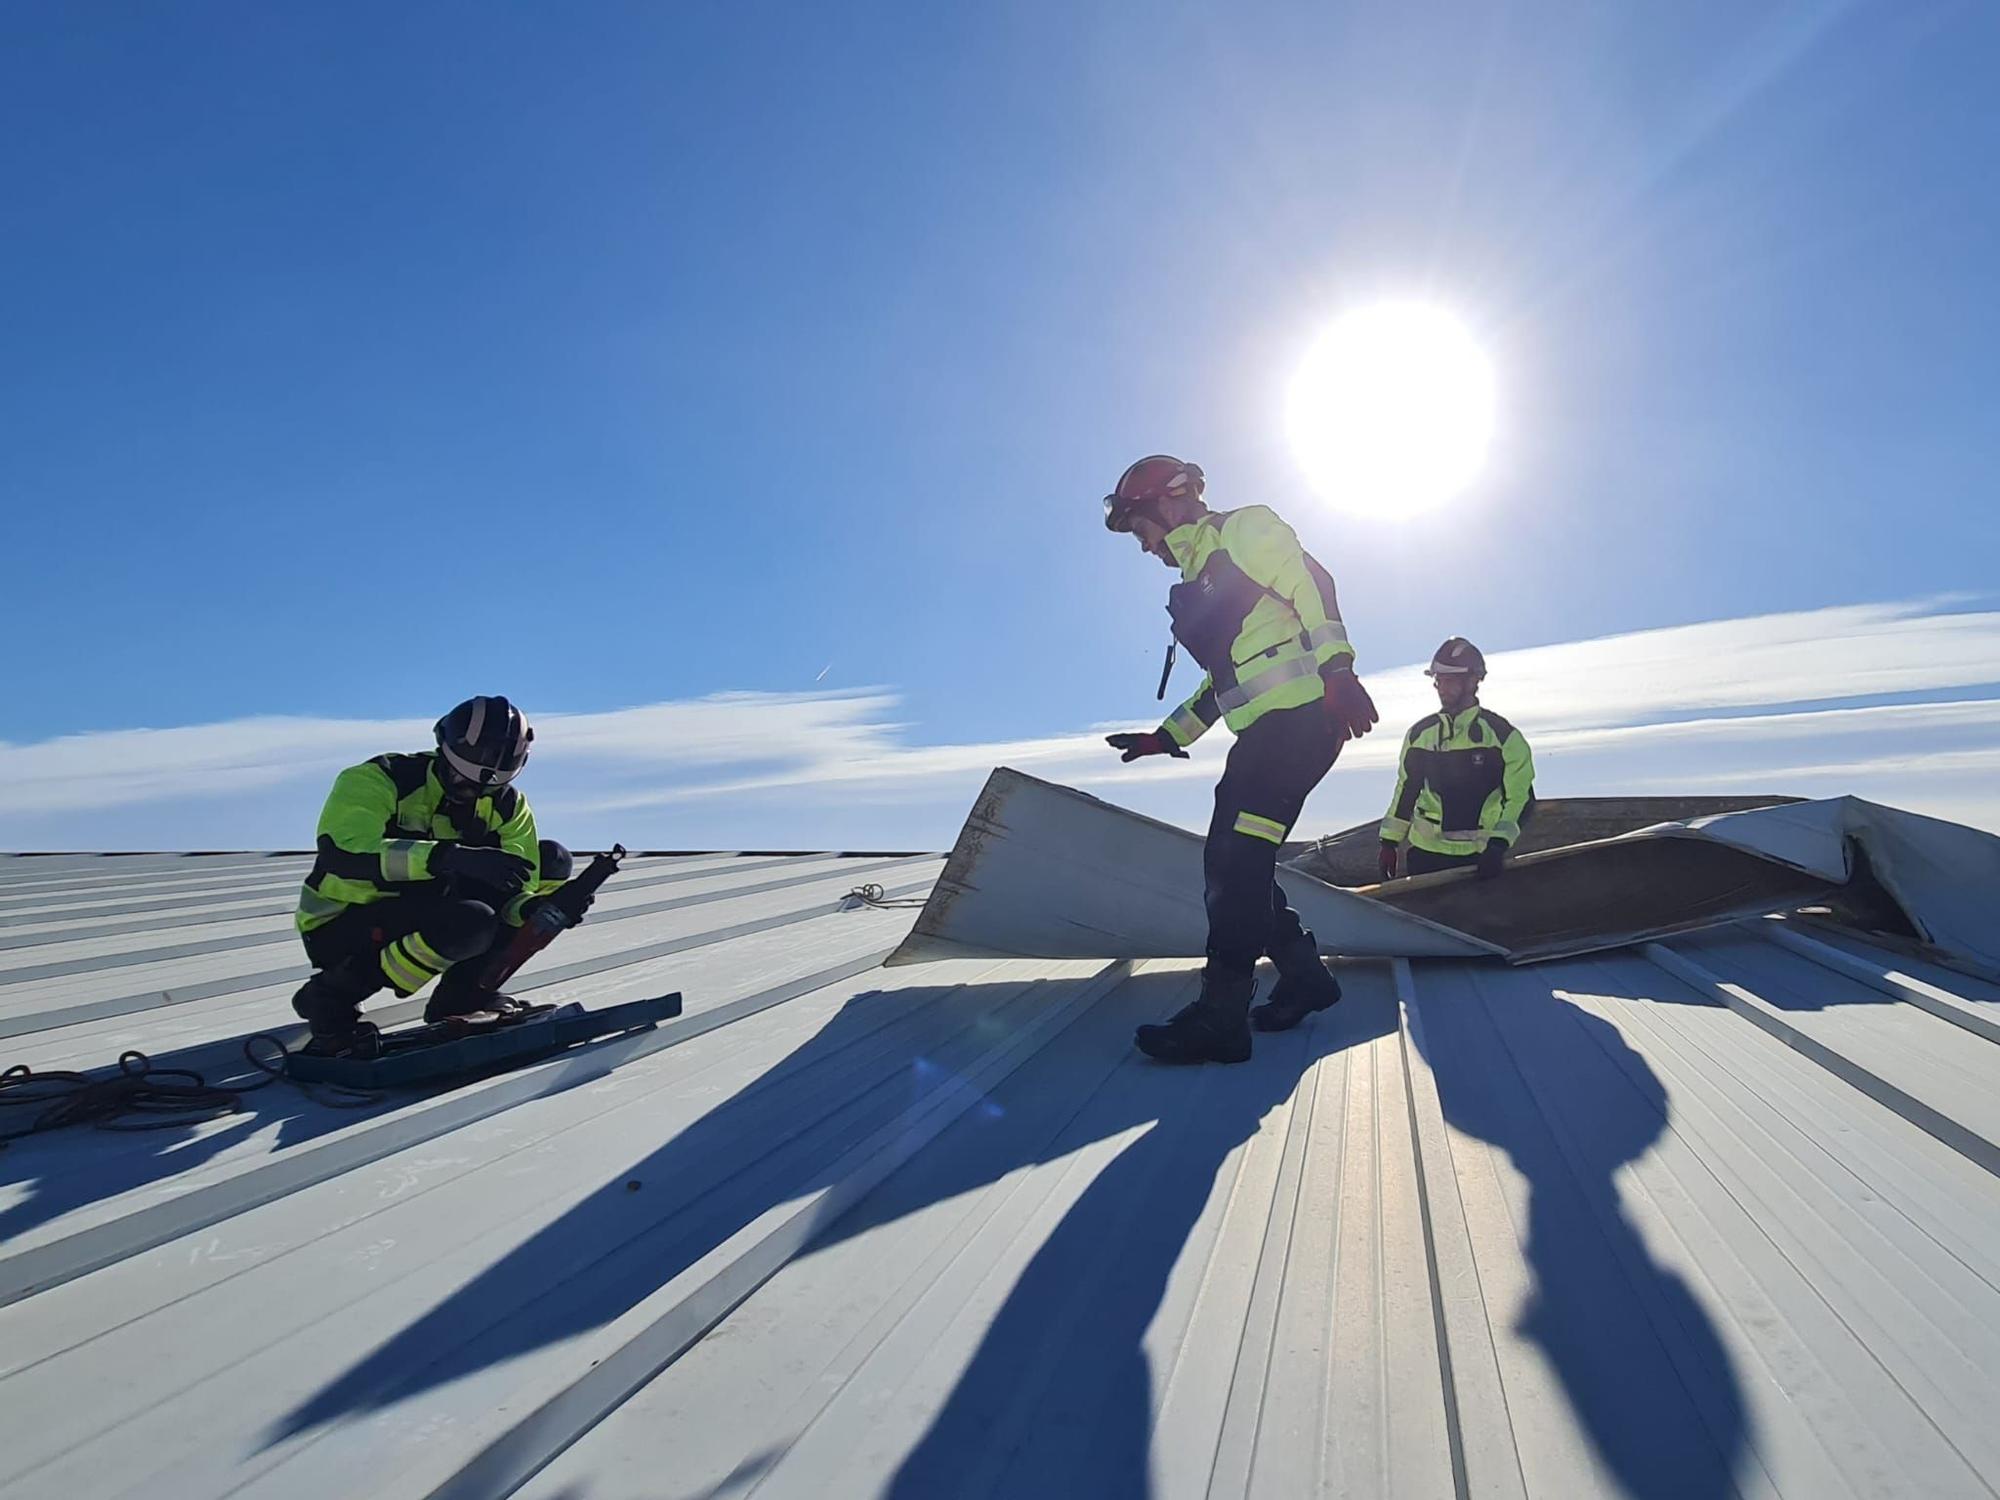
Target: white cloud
[{"x": 1694, "y": 707}]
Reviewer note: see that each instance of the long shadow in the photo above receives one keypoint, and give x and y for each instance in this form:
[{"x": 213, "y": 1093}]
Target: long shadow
[
  {"x": 1058, "y": 1399},
  {"x": 765, "y": 1143},
  {"x": 770, "y": 1142},
  {"x": 1570, "y": 1102},
  {"x": 1556, "y": 1088}
]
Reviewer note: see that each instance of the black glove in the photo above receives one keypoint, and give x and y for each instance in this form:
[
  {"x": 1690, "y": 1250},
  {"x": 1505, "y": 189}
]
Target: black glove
[
  {"x": 1385, "y": 860},
  {"x": 1492, "y": 859},
  {"x": 495, "y": 869},
  {"x": 1152, "y": 742},
  {"x": 572, "y": 907},
  {"x": 1353, "y": 710}
]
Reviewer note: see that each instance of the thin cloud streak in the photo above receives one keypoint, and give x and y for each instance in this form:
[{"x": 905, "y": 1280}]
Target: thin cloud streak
[{"x": 1713, "y": 704}]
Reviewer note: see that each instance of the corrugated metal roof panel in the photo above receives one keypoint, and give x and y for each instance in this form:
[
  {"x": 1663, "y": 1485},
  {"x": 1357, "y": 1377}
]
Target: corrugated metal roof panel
[{"x": 1712, "y": 1217}]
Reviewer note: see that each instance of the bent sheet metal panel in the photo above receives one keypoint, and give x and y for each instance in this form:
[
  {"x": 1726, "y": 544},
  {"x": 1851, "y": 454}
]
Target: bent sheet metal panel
[
  {"x": 1941, "y": 874},
  {"x": 1683, "y": 877},
  {"x": 1042, "y": 871}
]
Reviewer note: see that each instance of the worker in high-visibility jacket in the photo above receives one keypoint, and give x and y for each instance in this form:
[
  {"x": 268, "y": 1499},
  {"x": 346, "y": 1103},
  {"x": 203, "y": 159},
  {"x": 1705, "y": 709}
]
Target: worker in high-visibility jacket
[
  {"x": 1466, "y": 780},
  {"x": 427, "y": 862},
  {"x": 1260, "y": 615}
]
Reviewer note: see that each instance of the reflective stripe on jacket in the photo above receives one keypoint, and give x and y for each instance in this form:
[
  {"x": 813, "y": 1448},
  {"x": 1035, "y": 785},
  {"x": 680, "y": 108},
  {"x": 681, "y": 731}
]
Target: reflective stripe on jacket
[
  {"x": 1279, "y": 622},
  {"x": 383, "y": 819},
  {"x": 1463, "y": 779}
]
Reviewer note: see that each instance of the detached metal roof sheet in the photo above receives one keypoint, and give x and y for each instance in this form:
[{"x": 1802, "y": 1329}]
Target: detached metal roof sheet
[{"x": 1717, "y": 1216}]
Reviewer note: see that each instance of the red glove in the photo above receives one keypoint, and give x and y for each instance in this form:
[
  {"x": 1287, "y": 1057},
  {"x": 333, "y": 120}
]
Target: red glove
[
  {"x": 1152, "y": 742},
  {"x": 1353, "y": 710},
  {"x": 1385, "y": 860}
]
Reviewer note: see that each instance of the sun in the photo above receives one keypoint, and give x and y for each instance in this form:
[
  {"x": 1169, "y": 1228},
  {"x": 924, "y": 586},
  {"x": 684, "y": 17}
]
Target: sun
[{"x": 1391, "y": 411}]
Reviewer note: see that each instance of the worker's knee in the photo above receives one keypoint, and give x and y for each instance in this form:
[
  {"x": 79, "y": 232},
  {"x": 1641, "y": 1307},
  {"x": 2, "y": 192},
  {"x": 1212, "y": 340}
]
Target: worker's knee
[
  {"x": 557, "y": 863},
  {"x": 461, "y": 929}
]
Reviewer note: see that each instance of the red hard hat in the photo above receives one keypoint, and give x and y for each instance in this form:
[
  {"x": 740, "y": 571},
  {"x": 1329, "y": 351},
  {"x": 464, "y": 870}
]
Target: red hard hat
[{"x": 1158, "y": 476}]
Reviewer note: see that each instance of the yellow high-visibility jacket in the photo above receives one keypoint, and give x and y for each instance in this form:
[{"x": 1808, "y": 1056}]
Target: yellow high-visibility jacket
[
  {"x": 1463, "y": 779},
  {"x": 1268, "y": 611},
  {"x": 383, "y": 819}
]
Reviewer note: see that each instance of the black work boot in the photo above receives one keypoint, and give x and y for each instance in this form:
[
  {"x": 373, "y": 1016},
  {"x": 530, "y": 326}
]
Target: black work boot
[
  {"x": 330, "y": 1004},
  {"x": 1304, "y": 985},
  {"x": 458, "y": 993},
  {"x": 1215, "y": 1027}
]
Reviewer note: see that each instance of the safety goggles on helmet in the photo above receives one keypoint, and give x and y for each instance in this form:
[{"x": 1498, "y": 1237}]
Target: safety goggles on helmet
[
  {"x": 478, "y": 775},
  {"x": 484, "y": 742},
  {"x": 1118, "y": 512},
  {"x": 1457, "y": 657},
  {"x": 1157, "y": 477}
]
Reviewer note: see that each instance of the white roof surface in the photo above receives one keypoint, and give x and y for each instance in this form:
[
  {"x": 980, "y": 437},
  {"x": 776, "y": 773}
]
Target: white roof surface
[{"x": 1712, "y": 1217}]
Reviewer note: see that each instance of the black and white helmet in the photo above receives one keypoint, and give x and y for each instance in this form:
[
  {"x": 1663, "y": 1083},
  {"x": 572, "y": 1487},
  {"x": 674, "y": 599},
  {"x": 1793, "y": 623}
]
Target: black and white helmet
[
  {"x": 1455, "y": 658},
  {"x": 485, "y": 740}
]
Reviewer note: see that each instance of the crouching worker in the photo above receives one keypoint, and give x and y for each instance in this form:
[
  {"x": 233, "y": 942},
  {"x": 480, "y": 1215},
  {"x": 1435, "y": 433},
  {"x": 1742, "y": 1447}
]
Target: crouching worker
[{"x": 428, "y": 863}]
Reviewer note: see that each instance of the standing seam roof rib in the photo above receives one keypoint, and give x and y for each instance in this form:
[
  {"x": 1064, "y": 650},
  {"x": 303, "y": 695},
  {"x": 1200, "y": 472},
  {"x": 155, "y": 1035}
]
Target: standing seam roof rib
[{"x": 1716, "y": 1216}]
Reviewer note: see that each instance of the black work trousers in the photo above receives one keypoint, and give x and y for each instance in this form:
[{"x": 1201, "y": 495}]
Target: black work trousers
[
  {"x": 1272, "y": 769},
  {"x": 454, "y": 927},
  {"x": 457, "y": 920}
]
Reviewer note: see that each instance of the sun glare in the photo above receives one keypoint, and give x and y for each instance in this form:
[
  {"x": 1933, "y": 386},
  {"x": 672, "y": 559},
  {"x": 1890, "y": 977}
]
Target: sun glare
[{"x": 1392, "y": 409}]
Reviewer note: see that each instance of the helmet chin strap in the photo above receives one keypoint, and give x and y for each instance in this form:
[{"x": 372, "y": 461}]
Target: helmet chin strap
[{"x": 468, "y": 772}]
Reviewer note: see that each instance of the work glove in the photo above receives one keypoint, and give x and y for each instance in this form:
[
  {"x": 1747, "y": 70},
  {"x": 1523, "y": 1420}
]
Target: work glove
[
  {"x": 1385, "y": 860},
  {"x": 1353, "y": 710},
  {"x": 1492, "y": 859},
  {"x": 530, "y": 910},
  {"x": 495, "y": 869},
  {"x": 573, "y": 903},
  {"x": 1152, "y": 742}
]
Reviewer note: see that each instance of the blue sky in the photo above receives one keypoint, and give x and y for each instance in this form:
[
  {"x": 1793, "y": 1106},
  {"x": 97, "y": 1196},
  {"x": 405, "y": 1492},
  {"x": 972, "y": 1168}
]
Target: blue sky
[{"x": 362, "y": 357}]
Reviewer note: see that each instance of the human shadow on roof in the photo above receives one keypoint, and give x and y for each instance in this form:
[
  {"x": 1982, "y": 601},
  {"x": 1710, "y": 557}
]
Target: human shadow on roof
[
  {"x": 1559, "y": 1089},
  {"x": 776, "y": 1139},
  {"x": 1060, "y": 1396}
]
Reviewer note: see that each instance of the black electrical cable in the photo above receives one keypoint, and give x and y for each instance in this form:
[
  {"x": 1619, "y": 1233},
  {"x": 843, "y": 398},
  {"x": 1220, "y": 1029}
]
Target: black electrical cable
[
  {"x": 140, "y": 1096},
  {"x": 872, "y": 894}
]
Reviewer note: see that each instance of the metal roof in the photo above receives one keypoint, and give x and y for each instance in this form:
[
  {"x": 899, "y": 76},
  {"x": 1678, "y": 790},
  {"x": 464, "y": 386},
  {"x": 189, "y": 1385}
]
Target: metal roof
[{"x": 1715, "y": 1216}]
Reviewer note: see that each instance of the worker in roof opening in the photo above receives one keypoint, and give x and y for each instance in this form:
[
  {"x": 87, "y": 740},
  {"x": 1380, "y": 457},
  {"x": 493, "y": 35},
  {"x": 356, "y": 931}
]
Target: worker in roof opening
[
  {"x": 1259, "y": 614},
  {"x": 427, "y": 863},
  {"x": 1466, "y": 782}
]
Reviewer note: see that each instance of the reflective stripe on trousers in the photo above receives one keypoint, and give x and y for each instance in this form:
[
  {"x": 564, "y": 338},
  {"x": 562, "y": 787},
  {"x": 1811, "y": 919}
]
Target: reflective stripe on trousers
[
  {"x": 410, "y": 963},
  {"x": 1260, "y": 827}
]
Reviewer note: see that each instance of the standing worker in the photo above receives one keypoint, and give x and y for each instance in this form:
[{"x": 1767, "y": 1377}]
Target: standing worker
[
  {"x": 427, "y": 863},
  {"x": 1466, "y": 780},
  {"x": 1259, "y": 614}
]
